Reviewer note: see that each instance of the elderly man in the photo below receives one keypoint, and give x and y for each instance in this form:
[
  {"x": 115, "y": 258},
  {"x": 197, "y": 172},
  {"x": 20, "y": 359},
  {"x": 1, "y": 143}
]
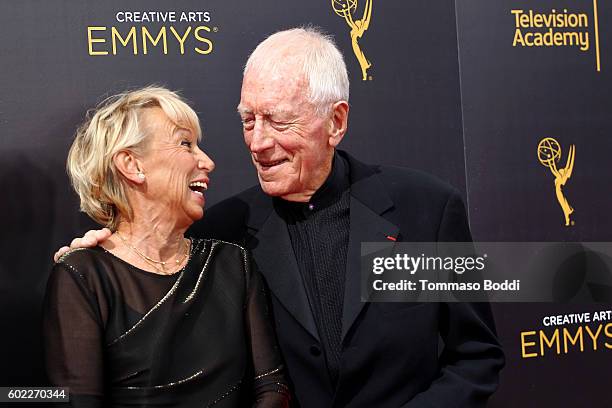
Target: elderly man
[{"x": 304, "y": 225}]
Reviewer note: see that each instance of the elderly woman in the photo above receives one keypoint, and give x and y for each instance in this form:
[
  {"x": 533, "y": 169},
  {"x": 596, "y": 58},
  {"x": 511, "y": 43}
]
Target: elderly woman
[{"x": 150, "y": 318}]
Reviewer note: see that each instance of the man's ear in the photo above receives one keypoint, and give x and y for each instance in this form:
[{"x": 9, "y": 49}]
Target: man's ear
[
  {"x": 129, "y": 166},
  {"x": 338, "y": 122}
]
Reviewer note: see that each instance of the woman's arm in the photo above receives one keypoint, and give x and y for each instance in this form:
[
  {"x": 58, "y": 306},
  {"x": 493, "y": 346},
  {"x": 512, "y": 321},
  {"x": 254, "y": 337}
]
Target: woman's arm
[
  {"x": 270, "y": 386},
  {"x": 73, "y": 341}
]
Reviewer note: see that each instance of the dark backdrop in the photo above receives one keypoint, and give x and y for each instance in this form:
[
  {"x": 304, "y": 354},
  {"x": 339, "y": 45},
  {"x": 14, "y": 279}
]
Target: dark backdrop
[
  {"x": 512, "y": 97},
  {"x": 445, "y": 85}
]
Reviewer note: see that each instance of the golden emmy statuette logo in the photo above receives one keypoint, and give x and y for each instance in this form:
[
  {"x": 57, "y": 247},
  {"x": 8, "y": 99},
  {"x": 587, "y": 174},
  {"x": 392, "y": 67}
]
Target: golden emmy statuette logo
[
  {"x": 346, "y": 9},
  {"x": 549, "y": 153}
]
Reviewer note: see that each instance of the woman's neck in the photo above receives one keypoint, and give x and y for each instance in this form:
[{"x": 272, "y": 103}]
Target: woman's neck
[
  {"x": 157, "y": 239},
  {"x": 152, "y": 244}
]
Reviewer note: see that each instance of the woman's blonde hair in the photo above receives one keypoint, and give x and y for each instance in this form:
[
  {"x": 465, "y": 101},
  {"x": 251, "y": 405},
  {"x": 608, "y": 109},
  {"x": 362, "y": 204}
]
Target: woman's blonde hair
[{"x": 114, "y": 126}]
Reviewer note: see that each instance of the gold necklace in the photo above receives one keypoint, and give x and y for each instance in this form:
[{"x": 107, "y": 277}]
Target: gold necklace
[{"x": 152, "y": 261}]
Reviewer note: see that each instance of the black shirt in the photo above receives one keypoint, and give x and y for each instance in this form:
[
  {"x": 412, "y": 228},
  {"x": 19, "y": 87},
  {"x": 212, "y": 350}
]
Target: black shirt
[
  {"x": 120, "y": 336},
  {"x": 319, "y": 233}
]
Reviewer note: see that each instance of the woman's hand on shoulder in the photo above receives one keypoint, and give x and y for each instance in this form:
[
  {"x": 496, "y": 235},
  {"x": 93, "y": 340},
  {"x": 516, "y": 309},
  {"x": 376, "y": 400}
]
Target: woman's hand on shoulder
[{"x": 90, "y": 239}]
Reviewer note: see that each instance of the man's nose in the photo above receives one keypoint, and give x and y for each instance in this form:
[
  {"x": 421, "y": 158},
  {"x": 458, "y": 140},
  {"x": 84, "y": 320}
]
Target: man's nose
[{"x": 261, "y": 140}]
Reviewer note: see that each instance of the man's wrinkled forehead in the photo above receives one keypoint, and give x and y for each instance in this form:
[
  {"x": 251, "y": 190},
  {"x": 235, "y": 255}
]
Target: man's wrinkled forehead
[
  {"x": 274, "y": 59},
  {"x": 275, "y": 82},
  {"x": 284, "y": 68},
  {"x": 272, "y": 94}
]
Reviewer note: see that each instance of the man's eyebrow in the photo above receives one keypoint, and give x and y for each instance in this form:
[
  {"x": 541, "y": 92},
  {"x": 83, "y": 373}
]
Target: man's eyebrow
[
  {"x": 280, "y": 112},
  {"x": 244, "y": 110}
]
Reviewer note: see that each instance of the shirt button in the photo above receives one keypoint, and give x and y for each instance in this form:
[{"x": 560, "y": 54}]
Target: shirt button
[
  {"x": 315, "y": 350},
  {"x": 311, "y": 207}
]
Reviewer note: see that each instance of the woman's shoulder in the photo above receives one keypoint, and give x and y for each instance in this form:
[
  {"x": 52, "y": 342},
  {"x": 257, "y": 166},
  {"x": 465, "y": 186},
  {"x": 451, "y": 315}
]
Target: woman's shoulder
[
  {"x": 224, "y": 254},
  {"x": 218, "y": 245},
  {"x": 82, "y": 263}
]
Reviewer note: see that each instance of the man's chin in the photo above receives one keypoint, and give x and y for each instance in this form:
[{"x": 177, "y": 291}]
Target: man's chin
[
  {"x": 283, "y": 192},
  {"x": 273, "y": 189}
]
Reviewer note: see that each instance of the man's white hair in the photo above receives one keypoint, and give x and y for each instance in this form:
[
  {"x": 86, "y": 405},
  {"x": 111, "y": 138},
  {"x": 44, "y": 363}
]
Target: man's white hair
[{"x": 318, "y": 56}]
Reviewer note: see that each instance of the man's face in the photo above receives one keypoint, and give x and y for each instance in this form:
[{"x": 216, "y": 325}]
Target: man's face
[{"x": 289, "y": 143}]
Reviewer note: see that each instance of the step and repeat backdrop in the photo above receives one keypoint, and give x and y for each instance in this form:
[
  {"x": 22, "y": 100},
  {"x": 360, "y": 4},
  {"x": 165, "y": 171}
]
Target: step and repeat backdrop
[
  {"x": 537, "y": 127},
  {"x": 506, "y": 100}
]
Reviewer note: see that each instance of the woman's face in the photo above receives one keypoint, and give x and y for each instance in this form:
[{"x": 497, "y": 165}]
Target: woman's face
[{"x": 176, "y": 169}]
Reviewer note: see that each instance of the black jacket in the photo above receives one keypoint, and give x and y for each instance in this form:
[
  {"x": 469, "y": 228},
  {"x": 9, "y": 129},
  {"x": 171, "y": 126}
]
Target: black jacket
[{"x": 390, "y": 351}]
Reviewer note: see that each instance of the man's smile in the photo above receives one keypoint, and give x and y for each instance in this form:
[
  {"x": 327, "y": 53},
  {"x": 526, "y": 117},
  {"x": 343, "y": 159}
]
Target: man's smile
[{"x": 269, "y": 164}]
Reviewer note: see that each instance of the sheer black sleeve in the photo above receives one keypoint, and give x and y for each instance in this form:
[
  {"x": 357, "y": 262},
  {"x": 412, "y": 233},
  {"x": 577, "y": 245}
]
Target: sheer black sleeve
[
  {"x": 270, "y": 386},
  {"x": 73, "y": 341}
]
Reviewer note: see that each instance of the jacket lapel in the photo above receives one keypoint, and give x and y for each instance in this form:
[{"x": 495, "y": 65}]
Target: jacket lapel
[
  {"x": 273, "y": 253},
  {"x": 369, "y": 199}
]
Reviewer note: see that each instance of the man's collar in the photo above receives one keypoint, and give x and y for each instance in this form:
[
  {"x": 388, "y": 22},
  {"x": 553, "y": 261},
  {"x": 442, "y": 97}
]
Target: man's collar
[
  {"x": 365, "y": 186},
  {"x": 336, "y": 183}
]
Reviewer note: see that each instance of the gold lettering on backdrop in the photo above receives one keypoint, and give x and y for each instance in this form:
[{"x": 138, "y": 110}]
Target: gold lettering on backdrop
[
  {"x": 549, "y": 153},
  {"x": 553, "y": 341},
  {"x": 181, "y": 38},
  {"x": 161, "y": 36},
  {"x": 203, "y": 40},
  {"x": 525, "y": 344},
  {"x": 557, "y": 28},
  {"x": 91, "y": 40},
  {"x": 143, "y": 40},
  {"x": 115, "y": 34},
  {"x": 346, "y": 9},
  {"x": 560, "y": 29},
  {"x": 566, "y": 340}
]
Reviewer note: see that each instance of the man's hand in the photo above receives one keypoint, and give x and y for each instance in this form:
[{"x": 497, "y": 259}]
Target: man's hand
[{"x": 90, "y": 239}]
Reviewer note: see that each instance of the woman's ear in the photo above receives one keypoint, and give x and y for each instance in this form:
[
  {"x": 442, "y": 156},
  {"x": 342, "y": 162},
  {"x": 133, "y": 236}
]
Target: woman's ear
[
  {"x": 338, "y": 122},
  {"x": 129, "y": 166}
]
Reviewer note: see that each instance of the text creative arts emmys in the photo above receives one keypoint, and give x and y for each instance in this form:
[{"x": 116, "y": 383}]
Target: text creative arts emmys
[
  {"x": 576, "y": 332},
  {"x": 144, "y": 32}
]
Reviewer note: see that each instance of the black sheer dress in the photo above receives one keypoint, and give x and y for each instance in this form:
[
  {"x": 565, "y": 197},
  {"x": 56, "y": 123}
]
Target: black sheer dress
[{"x": 118, "y": 336}]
